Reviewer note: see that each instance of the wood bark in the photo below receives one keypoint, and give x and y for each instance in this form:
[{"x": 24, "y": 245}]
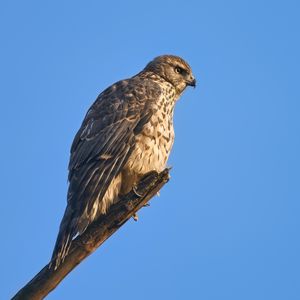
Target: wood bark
[{"x": 94, "y": 236}]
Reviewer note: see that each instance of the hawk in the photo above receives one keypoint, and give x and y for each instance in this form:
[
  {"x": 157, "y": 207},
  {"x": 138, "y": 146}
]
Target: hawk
[{"x": 126, "y": 133}]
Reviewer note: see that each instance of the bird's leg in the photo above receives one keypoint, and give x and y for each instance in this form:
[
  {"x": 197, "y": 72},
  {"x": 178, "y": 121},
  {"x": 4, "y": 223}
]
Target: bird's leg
[{"x": 134, "y": 188}]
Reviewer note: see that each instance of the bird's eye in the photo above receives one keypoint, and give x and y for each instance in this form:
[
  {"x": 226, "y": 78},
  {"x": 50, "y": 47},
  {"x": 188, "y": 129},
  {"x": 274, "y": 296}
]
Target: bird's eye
[{"x": 178, "y": 70}]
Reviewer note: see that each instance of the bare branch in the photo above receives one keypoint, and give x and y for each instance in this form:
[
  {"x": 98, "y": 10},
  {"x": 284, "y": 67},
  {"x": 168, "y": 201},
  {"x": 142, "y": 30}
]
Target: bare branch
[{"x": 95, "y": 235}]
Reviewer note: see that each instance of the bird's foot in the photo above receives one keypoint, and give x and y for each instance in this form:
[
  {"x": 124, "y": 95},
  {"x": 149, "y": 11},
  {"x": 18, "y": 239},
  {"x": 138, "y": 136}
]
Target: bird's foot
[
  {"x": 135, "y": 217},
  {"x": 134, "y": 188}
]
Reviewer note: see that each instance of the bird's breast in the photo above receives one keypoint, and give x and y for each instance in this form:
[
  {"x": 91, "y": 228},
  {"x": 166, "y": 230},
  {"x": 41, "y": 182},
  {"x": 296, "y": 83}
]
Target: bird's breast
[{"x": 154, "y": 143}]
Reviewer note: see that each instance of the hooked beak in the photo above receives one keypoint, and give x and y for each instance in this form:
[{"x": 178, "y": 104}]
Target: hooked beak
[{"x": 191, "y": 81}]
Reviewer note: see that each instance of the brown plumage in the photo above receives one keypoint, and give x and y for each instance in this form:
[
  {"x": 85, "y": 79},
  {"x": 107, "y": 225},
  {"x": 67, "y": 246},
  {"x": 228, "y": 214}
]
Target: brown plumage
[{"x": 127, "y": 132}]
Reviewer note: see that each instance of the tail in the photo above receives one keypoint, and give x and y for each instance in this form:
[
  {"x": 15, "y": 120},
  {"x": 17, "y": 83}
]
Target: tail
[{"x": 67, "y": 231}]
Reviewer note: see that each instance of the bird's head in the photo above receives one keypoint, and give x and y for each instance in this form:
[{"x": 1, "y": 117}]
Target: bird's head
[{"x": 174, "y": 70}]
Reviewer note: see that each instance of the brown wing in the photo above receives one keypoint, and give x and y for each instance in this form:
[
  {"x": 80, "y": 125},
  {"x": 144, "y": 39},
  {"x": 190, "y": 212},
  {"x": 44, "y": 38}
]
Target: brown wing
[{"x": 101, "y": 148}]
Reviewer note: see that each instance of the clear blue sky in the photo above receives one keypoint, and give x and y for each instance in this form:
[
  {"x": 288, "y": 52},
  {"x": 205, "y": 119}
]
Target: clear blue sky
[{"x": 227, "y": 224}]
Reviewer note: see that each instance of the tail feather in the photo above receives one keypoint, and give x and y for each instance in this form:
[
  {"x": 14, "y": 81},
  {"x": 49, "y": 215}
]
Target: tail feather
[{"x": 67, "y": 231}]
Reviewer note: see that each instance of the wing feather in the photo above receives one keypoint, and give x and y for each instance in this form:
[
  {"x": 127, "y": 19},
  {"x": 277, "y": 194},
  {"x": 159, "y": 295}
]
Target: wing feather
[{"x": 101, "y": 148}]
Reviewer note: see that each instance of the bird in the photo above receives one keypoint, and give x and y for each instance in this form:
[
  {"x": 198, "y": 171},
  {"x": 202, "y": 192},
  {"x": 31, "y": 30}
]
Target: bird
[{"x": 126, "y": 133}]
